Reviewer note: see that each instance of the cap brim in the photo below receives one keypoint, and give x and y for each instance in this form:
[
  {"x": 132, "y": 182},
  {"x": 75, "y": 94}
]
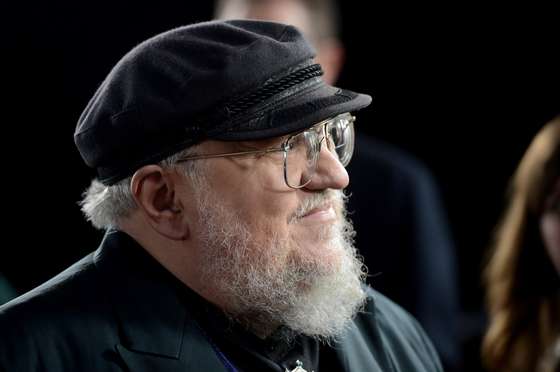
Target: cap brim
[{"x": 295, "y": 113}]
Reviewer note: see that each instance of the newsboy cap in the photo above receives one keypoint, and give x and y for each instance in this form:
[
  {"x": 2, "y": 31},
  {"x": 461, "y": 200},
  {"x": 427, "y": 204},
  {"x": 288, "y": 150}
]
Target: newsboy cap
[{"x": 231, "y": 81}]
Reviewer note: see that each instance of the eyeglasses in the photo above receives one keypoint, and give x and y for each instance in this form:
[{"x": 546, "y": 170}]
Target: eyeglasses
[{"x": 301, "y": 151}]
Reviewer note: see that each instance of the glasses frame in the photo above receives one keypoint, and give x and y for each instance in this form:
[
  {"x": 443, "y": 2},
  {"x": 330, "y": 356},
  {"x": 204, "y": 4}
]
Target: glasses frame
[{"x": 284, "y": 147}]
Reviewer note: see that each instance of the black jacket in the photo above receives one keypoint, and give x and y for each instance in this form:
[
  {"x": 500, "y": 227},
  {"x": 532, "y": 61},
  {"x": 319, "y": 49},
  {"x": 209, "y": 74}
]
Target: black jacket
[{"x": 118, "y": 310}]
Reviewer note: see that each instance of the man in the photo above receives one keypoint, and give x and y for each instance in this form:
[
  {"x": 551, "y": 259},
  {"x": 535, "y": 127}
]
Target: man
[
  {"x": 220, "y": 153},
  {"x": 396, "y": 210}
]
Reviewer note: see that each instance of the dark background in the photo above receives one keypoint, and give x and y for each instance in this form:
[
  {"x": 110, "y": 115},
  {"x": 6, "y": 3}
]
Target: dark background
[{"x": 462, "y": 89}]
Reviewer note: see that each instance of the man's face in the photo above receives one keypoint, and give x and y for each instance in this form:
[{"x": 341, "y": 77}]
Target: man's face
[
  {"x": 279, "y": 255},
  {"x": 255, "y": 190}
]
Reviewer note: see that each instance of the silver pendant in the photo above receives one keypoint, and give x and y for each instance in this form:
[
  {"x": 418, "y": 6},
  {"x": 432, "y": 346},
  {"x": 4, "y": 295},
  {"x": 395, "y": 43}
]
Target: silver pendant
[{"x": 299, "y": 367}]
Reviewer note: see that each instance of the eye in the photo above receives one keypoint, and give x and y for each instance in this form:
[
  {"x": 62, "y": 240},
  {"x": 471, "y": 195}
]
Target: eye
[{"x": 289, "y": 145}]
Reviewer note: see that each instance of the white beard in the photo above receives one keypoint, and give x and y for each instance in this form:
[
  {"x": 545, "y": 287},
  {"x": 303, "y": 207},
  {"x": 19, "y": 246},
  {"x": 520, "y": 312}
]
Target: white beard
[{"x": 301, "y": 293}]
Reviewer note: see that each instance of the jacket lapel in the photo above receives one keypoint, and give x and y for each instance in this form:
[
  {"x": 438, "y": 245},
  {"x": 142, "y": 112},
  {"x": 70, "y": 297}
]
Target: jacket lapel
[
  {"x": 196, "y": 355},
  {"x": 157, "y": 332}
]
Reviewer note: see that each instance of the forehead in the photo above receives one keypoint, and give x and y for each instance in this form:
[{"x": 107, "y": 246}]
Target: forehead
[
  {"x": 275, "y": 141},
  {"x": 215, "y": 146},
  {"x": 317, "y": 127}
]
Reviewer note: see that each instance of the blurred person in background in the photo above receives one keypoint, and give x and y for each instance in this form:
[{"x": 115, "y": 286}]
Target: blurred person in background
[
  {"x": 396, "y": 209},
  {"x": 7, "y": 292},
  {"x": 523, "y": 275}
]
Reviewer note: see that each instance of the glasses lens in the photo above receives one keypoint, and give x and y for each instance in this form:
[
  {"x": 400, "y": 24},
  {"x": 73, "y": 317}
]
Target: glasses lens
[
  {"x": 301, "y": 159},
  {"x": 340, "y": 132},
  {"x": 304, "y": 149}
]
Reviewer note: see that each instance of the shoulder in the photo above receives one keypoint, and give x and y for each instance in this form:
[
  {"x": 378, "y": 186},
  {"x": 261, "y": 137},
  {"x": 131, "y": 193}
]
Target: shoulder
[
  {"x": 392, "y": 319},
  {"x": 53, "y": 319},
  {"x": 56, "y": 294},
  {"x": 397, "y": 334}
]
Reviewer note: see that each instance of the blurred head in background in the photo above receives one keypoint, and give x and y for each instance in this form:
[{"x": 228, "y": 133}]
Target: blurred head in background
[
  {"x": 523, "y": 274},
  {"x": 317, "y": 19}
]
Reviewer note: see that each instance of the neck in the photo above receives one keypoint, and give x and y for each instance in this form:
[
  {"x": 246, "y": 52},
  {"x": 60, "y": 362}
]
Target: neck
[{"x": 179, "y": 257}]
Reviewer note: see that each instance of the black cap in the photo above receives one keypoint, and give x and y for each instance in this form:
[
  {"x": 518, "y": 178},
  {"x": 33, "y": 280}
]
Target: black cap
[{"x": 233, "y": 80}]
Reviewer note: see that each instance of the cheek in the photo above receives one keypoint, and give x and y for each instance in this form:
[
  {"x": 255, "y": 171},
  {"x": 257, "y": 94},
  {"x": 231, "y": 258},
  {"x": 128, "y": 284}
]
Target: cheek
[
  {"x": 267, "y": 201},
  {"x": 550, "y": 229},
  {"x": 255, "y": 190}
]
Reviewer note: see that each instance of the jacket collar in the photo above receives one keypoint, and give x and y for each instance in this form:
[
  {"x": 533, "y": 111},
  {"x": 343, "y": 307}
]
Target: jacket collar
[{"x": 157, "y": 332}]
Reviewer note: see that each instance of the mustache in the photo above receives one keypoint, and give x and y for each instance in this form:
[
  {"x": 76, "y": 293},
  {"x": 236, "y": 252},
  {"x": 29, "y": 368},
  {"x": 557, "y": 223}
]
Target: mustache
[{"x": 331, "y": 197}]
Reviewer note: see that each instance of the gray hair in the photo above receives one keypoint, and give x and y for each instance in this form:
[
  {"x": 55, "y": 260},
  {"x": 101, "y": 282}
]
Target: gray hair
[{"x": 104, "y": 206}]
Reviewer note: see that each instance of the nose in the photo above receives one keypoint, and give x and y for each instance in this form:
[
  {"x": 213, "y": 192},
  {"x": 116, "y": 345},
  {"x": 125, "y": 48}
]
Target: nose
[{"x": 330, "y": 172}]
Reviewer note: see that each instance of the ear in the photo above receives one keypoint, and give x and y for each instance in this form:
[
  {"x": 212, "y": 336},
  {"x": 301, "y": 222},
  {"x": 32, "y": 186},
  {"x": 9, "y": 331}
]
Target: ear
[{"x": 154, "y": 190}]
